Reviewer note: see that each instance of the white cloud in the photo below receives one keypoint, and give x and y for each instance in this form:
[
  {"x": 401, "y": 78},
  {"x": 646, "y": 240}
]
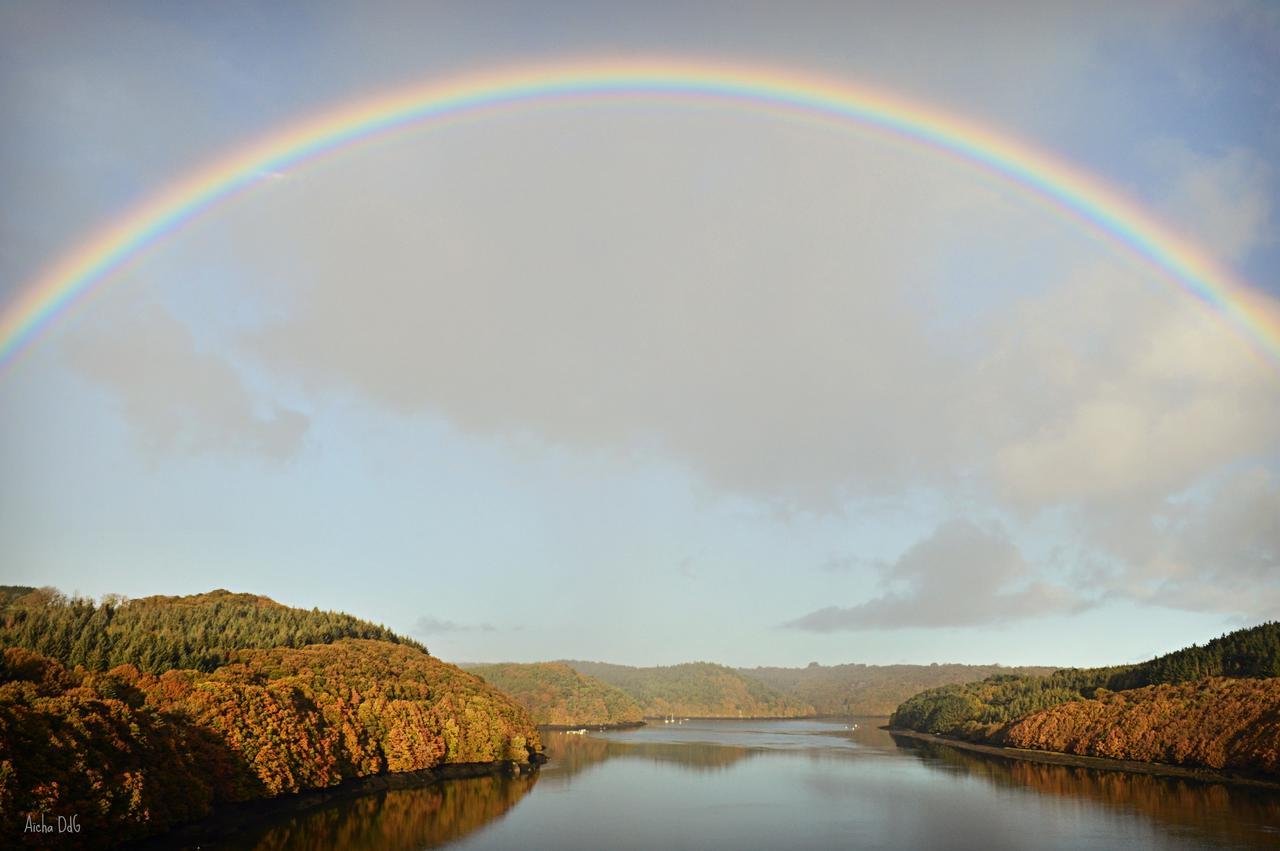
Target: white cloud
[
  {"x": 848, "y": 564},
  {"x": 640, "y": 280},
  {"x": 961, "y": 575},
  {"x": 791, "y": 313},
  {"x": 1103, "y": 391},
  {"x": 428, "y": 626},
  {"x": 1223, "y": 202},
  {"x": 176, "y": 395},
  {"x": 1215, "y": 550}
]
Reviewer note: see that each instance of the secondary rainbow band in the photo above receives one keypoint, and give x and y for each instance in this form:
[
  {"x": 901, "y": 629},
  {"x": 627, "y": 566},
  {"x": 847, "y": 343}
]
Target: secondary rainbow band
[{"x": 93, "y": 261}]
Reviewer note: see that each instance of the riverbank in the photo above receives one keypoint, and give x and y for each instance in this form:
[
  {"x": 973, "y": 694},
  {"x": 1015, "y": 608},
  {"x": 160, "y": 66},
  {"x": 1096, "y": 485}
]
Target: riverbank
[
  {"x": 1207, "y": 775},
  {"x": 595, "y": 728},
  {"x": 811, "y": 717},
  {"x": 230, "y": 819}
]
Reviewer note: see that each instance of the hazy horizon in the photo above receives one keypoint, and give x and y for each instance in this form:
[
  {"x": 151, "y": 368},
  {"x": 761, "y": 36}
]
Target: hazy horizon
[{"x": 652, "y": 380}]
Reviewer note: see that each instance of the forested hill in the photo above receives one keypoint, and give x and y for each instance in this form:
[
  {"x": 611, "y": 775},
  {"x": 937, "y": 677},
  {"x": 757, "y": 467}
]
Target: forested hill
[
  {"x": 131, "y": 747},
  {"x": 991, "y": 709},
  {"x": 1228, "y": 723},
  {"x": 160, "y": 633},
  {"x": 855, "y": 689},
  {"x": 696, "y": 690},
  {"x": 557, "y": 695}
]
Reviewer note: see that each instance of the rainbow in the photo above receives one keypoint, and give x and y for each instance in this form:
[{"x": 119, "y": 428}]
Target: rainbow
[{"x": 93, "y": 261}]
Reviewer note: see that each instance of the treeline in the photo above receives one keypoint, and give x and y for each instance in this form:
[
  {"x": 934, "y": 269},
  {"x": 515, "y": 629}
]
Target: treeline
[
  {"x": 978, "y": 710},
  {"x": 557, "y": 695},
  {"x": 157, "y": 634},
  {"x": 1217, "y": 723},
  {"x": 1131, "y": 711},
  {"x": 696, "y": 690},
  {"x": 871, "y": 689},
  {"x": 132, "y": 753},
  {"x": 1253, "y": 652}
]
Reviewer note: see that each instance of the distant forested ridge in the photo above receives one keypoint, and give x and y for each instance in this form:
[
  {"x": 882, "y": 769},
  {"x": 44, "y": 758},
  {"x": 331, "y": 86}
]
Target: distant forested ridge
[
  {"x": 871, "y": 689},
  {"x": 555, "y": 694},
  {"x": 1042, "y": 708},
  {"x": 696, "y": 690},
  {"x": 157, "y": 634},
  {"x": 133, "y": 752}
]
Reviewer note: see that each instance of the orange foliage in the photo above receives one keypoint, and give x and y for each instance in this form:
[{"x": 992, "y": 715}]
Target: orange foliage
[
  {"x": 1214, "y": 723},
  {"x": 132, "y": 753}
]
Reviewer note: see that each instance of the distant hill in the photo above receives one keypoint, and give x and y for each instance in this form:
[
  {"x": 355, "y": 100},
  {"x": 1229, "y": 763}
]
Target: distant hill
[
  {"x": 160, "y": 633},
  {"x": 870, "y": 689},
  {"x": 555, "y": 694},
  {"x": 1043, "y": 710},
  {"x": 696, "y": 690},
  {"x": 132, "y": 751}
]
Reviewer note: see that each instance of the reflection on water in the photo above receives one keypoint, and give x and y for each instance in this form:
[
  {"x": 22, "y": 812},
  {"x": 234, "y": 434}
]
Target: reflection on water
[
  {"x": 395, "y": 820},
  {"x": 572, "y": 754},
  {"x": 794, "y": 784},
  {"x": 1234, "y": 814},
  {"x": 705, "y": 746}
]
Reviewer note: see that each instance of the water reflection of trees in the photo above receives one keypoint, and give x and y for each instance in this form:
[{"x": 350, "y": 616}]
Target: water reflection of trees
[
  {"x": 572, "y": 754},
  {"x": 871, "y": 732},
  {"x": 1224, "y": 812},
  {"x": 399, "y": 819}
]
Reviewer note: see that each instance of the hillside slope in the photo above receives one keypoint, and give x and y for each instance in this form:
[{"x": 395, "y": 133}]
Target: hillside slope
[
  {"x": 1216, "y": 723},
  {"x": 696, "y": 690},
  {"x": 557, "y": 695},
  {"x": 870, "y": 689},
  {"x": 1187, "y": 707},
  {"x": 977, "y": 710},
  {"x": 132, "y": 752}
]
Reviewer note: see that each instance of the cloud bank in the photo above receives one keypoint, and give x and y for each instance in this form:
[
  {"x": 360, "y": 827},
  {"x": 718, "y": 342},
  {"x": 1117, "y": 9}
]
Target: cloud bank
[
  {"x": 429, "y": 626},
  {"x": 799, "y": 316},
  {"x": 961, "y": 575},
  {"x": 178, "y": 396}
]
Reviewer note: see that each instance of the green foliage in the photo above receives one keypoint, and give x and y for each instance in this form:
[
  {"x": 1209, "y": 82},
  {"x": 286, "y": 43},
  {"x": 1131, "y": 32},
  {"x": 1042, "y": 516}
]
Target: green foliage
[
  {"x": 870, "y": 689},
  {"x": 980, "y": 710},
  {"x": 1253, "y": 652},
  {"x": 132, "y": 752},
  {"x": 555, "y": 694},
  {"x": 696, "y": 690},
  {"x": 153, "y": 711},
  {"x": 157, "y": 634}
]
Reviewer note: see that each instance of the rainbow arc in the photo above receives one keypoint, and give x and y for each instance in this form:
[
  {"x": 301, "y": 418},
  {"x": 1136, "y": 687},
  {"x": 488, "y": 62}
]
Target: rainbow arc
[{"x": 93, "y": 262}]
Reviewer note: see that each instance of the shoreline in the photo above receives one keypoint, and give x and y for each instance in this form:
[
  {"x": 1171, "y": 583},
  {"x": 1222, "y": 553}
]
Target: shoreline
[
  {"x": 228, "y": 819},
  {"x": 1158, "y": 769},
  {"x": 596, "y": 728},
  {"x": 739, "y": 717}
]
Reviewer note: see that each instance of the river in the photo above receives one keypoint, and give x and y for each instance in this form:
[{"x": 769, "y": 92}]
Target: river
[{"x": 782, "y": 784}]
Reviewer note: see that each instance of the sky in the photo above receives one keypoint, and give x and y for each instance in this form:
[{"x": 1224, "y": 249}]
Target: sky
[{"x": 652, "y": 380}]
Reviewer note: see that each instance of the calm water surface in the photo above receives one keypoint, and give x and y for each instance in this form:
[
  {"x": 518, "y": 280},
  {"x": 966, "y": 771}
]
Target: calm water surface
[{"x": 783, "y": 784}]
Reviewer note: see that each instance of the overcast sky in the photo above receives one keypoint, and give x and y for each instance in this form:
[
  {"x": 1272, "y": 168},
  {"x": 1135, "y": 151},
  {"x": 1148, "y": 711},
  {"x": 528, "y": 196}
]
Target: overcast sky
[{"x": 644, "y": 380}]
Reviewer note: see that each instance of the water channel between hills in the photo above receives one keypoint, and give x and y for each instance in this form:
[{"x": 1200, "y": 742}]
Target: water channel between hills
[{"x": 794, "y": 784}]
